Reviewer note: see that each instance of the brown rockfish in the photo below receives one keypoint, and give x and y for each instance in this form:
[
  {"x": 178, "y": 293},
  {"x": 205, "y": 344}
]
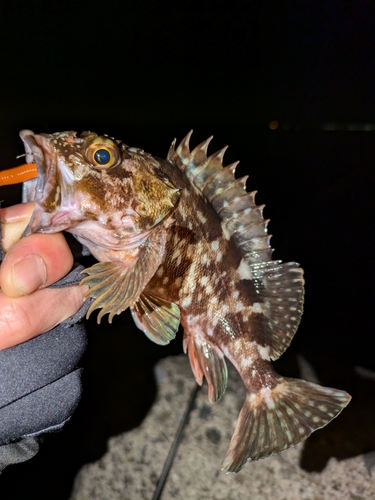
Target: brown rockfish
[{"x": 180, "y": 240}]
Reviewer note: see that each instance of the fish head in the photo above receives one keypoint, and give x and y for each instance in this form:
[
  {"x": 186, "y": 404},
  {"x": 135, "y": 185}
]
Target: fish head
[{"x": 95, "y": 187}]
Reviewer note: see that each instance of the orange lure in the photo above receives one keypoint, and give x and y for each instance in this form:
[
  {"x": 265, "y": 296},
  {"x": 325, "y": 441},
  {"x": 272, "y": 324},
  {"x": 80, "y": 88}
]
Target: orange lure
[{"x": 18, "y": 174}]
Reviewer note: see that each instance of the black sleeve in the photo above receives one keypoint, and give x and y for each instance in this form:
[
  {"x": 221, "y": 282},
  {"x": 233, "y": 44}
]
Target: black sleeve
[{"x": 40, "y": 384}]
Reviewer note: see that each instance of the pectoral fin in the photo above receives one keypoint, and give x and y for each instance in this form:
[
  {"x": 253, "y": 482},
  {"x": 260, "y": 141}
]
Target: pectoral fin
[
  {"x": 115, "y": 286},
  {"x": 156, "y": 317}
]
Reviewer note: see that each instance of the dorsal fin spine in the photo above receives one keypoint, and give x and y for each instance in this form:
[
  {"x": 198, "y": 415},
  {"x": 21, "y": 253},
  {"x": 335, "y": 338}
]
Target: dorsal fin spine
[
  {"x": 183, "y": 149},
  {"x": 202, "y": 147},
  {"x": 231, "y": 168},
  {"x": 241, "y": 181},
  {"x": 246, "y": 202},
  {"x": 212, "y": 162},
  {"x": 196, "y": 157},
  {"x": 218, "y": 182},
  {"x": 237, "y": 187},
  {"x": 218, "y": 156},
  {"x": 172, "y": 151}
]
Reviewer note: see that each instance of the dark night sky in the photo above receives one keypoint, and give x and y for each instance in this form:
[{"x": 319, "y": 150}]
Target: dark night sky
[{"x": 147, "y": 71}]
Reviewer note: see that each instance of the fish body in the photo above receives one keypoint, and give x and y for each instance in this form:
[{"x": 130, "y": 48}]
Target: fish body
[{"x": 180, "y": 240}]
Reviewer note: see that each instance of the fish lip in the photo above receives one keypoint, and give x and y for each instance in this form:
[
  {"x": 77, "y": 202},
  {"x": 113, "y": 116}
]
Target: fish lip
[{"x": 35, "y": 154}]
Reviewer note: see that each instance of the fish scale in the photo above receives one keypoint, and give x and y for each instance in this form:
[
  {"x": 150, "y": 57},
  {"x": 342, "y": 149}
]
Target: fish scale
[{"x": 180, "y": 240}]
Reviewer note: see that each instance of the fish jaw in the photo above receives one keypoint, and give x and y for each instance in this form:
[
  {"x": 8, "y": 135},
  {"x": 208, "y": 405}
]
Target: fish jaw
[
  {"x": 72, "y": 192},
  {"x": 33, "y": 188},
  {"x": 50, "y": 215}
]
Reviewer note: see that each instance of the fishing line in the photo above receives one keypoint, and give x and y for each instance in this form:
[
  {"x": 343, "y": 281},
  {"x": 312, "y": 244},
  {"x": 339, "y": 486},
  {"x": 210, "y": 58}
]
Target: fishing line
[{"x": 175, "y": 445}]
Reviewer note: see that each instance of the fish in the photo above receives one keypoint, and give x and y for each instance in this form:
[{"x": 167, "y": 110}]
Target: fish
[{"x": 181, "y": 240}]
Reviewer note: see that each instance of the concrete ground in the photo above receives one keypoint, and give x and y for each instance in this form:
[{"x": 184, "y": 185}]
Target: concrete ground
[{"x": 326, "y": 467}]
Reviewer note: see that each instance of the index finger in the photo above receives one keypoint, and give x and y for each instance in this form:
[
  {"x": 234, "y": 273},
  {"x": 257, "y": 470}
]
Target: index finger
[{"x": 33, "y": 262}]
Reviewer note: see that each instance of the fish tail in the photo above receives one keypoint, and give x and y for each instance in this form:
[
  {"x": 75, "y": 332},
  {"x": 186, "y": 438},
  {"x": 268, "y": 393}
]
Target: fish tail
[{"x": 277, "y": 418}]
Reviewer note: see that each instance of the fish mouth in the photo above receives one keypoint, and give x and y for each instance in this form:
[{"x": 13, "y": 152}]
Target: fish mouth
[{"x": 34, "y": 154}]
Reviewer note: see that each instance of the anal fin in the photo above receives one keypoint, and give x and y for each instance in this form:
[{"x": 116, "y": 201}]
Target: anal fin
[
  {"x": 277, "y": 418},
  {"x": 207, "y": 360},
  {"x": 156, "y": 317}
]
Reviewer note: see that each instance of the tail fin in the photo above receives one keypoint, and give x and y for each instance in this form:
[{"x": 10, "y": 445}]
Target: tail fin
[{"x": 273, "y": 420}]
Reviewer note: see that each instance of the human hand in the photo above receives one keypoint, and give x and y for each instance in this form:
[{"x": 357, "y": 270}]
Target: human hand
[{"x": 27, "y": 307}]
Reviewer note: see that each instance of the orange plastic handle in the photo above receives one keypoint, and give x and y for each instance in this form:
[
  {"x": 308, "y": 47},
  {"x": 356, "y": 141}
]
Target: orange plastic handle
[{"x": 18, "y": 174}]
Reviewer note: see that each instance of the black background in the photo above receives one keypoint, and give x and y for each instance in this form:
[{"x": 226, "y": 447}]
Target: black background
[{"x": 149, "y": 71}]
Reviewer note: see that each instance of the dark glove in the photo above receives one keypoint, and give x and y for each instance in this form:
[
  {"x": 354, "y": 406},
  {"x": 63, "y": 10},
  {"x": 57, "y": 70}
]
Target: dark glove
[{"x": 40, "y": 385}]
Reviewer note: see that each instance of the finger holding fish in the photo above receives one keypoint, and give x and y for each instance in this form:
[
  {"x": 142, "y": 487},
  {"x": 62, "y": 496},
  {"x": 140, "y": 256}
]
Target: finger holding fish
[
  {"x": 24, "y": 318},
  {"x": 14, "y": 221},
  {"x": 31, "y": 264},
  {"x": 34, "y": 262}
]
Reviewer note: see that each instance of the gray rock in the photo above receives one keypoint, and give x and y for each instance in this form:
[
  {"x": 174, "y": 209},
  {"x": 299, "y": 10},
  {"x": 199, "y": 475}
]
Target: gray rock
[{"x": 134, "y": 461}]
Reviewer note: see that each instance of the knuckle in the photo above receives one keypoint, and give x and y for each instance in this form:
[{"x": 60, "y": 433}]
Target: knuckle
[{"x": 14, "y": 319}]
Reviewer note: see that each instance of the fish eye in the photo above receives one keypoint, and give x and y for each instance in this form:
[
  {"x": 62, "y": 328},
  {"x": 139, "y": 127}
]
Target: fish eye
[
  {"x": 102, "y": 156},
  {"x": 102, "y": 153}
]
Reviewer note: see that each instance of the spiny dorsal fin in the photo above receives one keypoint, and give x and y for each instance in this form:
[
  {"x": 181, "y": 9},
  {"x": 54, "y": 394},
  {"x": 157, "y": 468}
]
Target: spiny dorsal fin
[
  {"x": 236, "y": 208},
  {"x": 279, "y": 286}
]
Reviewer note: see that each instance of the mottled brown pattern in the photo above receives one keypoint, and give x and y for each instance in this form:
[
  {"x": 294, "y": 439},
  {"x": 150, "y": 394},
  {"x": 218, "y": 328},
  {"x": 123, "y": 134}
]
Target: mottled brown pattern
[
  {"x": 182, "y": 250},
  {"x": 92, "y": 186},
  {"x": 119, "y": 173},
  {"x": 53, "y": 198},
  {"x": 260, "y": 375},
  {"x": 256, "y": 324}
]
